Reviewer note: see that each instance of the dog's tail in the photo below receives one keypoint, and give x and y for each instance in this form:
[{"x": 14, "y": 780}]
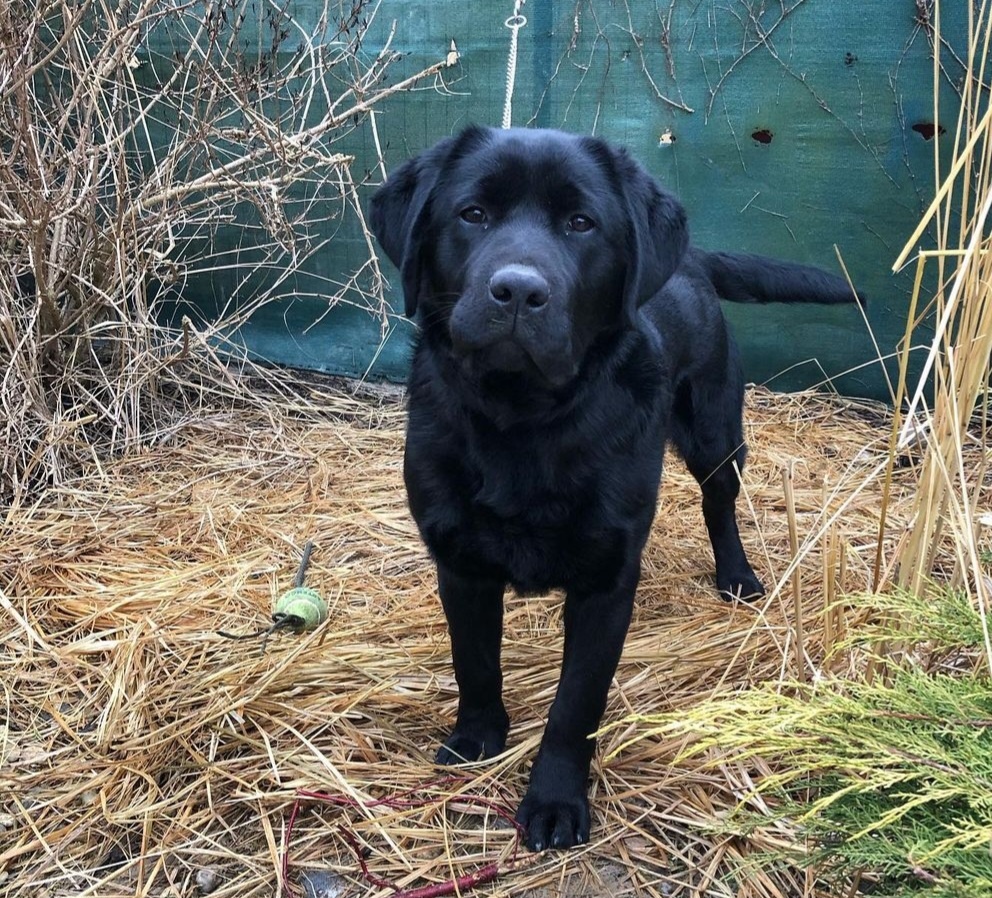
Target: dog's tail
[{"x": 742, "y": 277}]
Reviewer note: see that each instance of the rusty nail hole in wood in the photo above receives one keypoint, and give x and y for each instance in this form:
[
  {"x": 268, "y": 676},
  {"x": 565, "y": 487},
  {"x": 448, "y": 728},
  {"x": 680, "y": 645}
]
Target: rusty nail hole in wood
[
  {"x": 762, "y": 135},
  {"x": 927, "y": 130}
]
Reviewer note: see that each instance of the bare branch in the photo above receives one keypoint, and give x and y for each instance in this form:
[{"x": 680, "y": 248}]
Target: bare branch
[{"x": 131, "y": 135}]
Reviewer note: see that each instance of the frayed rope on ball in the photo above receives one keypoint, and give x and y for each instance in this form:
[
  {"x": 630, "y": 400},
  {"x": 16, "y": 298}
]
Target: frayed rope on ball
[{"x": 299, "y": 609}]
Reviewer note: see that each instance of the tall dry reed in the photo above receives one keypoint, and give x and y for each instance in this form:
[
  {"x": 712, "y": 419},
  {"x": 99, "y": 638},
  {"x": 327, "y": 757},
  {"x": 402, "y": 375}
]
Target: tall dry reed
[{"x": 949, "y": 404}]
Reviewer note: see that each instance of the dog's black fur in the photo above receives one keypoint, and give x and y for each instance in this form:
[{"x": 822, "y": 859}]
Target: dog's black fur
[{"x": 568, "y": 332}]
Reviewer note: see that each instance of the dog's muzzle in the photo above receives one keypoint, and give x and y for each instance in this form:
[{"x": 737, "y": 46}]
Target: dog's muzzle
[{"x": 510, "y": 322}]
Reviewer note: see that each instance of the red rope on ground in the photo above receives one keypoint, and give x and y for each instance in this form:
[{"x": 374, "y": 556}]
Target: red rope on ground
[{"x": 456, "y": 885}]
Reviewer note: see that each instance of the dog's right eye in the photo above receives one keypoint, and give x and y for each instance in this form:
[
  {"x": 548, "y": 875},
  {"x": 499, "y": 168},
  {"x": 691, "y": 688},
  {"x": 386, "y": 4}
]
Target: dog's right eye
[{"x": 473, "y": 215}]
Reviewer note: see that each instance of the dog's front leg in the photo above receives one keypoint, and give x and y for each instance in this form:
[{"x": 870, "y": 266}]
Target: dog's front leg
[
  {"x": 555, "y": 810},
  {"x": 474, "y": 609}
]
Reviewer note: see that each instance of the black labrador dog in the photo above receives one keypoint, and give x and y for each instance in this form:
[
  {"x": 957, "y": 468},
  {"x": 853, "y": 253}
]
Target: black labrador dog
[{"x": 568, "y": 332}]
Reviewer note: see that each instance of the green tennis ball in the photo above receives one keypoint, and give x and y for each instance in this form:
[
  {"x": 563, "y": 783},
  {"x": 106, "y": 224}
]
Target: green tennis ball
[{"x": 303, "y": 603}]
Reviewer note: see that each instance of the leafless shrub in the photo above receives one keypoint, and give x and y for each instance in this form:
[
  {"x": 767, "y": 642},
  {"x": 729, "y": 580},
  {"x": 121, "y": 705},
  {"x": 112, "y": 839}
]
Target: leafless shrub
[{"x": 120, "y": 162}]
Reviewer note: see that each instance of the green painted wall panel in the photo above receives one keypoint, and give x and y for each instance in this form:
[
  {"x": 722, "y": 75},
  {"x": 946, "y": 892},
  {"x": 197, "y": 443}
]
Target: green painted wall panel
[{"x": 838, "y": 84}]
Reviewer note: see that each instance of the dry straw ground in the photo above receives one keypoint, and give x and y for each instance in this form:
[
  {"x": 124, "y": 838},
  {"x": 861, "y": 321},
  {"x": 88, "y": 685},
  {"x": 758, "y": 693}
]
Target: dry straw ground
[{"x": 146, "y": 755}]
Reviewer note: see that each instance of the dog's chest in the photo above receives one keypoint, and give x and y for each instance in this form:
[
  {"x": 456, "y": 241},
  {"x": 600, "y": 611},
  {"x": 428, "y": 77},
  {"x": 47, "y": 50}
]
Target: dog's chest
[
  {"x": 537, "y": 513},
  {"x": 534, "y": 482},
  {"x": 544, "y": 524}
]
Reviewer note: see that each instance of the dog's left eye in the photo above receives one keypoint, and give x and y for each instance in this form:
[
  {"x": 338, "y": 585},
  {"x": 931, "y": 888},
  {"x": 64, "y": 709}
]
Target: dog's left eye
[
  {"x": 581, "y": 223},
  {"x": 473, "y": 215}
]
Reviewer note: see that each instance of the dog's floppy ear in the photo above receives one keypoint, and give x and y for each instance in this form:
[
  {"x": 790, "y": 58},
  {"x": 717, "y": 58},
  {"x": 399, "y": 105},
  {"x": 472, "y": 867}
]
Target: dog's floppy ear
[
  {"x": 398, "y": 215},
  {"x": 658, "y": 235}
]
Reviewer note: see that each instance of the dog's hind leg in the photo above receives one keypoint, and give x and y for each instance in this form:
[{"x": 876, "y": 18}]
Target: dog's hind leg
[{"x": 708, "y": 433}]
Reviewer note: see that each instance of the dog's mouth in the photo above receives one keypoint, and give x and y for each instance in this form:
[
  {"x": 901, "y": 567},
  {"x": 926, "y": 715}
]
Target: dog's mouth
[
  {"x": 510, "y": 356},
  {"x": 506, "y": 355}
]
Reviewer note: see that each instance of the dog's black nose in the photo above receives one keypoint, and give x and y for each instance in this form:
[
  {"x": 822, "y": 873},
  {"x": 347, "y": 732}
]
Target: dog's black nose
[{"x": 520, "y": 285}]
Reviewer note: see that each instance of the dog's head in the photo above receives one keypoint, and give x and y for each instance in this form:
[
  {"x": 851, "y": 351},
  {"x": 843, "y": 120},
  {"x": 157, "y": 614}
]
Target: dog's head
[{"x": 525, "y": 246}]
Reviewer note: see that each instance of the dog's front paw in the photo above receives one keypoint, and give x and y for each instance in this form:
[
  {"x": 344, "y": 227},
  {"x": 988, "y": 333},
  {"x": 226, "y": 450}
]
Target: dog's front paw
[
  {"x": 739, "y": 586},
  {"x": 475, "y": 737},
  {"x": 560, "y": 822}
]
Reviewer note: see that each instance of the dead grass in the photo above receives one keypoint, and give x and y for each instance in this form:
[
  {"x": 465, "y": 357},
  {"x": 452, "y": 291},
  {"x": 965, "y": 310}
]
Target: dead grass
[{"x": 141, "y": 748}]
